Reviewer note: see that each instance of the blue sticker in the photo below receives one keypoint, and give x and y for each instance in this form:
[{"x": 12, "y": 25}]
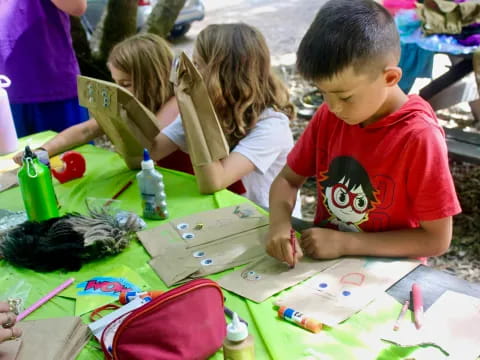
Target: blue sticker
[
  {"x": 323, "y": 285},
  {"x": 346, "y": 293},
  {"x": 108, "y": 286}
]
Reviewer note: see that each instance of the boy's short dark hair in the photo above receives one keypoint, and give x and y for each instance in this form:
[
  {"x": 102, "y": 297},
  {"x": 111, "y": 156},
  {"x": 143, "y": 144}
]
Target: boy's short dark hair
[{"x": 358, "y": 33}]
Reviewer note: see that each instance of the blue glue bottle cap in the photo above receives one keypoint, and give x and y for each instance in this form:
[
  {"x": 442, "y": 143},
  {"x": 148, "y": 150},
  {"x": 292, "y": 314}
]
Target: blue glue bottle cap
[{"x": 147, "y": 163}]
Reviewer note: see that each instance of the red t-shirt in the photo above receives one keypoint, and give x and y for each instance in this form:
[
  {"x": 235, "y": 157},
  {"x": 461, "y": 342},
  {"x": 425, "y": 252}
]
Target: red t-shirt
[{"x": 388, "y": 175}]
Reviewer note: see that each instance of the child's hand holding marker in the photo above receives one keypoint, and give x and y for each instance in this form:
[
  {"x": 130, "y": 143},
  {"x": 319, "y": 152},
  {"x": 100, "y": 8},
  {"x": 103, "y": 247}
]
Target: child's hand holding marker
[{"x": 284, "y": 246}]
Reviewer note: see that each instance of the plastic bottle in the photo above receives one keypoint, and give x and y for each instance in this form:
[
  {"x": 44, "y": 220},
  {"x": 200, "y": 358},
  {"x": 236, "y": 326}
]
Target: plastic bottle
[
  {"x": 8, "y": 134},
  {"x": 150, "y": 182},
  {"x": 36, "y": 186},
  {"x": 238, "y": 345}
]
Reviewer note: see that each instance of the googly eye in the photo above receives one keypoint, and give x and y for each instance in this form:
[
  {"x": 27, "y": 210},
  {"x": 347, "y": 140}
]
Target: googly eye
[
  {"x": 346, "y": 293},
  {"x": 206, "y": 262},
  {"x": 199, "y": 254},
  {"x": 257, "y": 277},
  {"x": 188, "y": 236},
  {"x": 251, "y": 272},
  {"x": 323, "y": 285},
  {"x": 182, "y": 226}
]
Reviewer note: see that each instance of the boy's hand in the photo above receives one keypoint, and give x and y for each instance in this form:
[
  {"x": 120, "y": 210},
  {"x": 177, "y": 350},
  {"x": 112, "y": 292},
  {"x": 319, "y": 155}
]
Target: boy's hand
[
  {"x": 279, "y": 246},
  {"x": 320, "y": 243}
]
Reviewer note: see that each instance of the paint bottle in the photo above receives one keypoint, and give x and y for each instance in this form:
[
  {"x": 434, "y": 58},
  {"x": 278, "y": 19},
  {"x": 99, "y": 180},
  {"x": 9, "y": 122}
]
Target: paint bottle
[
  {"x": 300, "y": 319},
  {"x": 152, "y": 190},
  {"x": 238, "y": 345},
  {"x": 8, "y": 134},
  {"x": 36, "y": 186}
]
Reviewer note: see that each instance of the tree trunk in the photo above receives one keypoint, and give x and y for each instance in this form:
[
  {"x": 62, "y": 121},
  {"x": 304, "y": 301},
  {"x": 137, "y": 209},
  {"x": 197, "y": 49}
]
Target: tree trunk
[
  {"x": 163, "y": 16},
  {"x": 89, "y": 66},
  {"x": 120, "y": 23}
]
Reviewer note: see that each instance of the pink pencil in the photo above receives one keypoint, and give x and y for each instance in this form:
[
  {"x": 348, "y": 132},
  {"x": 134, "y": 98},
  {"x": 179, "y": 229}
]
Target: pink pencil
[{"x": 44, "y": 299}]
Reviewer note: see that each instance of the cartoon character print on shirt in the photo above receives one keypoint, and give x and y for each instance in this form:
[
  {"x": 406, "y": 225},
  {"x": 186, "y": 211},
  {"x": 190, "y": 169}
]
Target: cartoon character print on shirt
[{"x": 348, "y": 194}]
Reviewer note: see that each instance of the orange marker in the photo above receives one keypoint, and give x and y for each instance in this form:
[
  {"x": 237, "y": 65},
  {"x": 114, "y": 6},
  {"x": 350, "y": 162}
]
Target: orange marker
[{"x": 298, "y": 318}]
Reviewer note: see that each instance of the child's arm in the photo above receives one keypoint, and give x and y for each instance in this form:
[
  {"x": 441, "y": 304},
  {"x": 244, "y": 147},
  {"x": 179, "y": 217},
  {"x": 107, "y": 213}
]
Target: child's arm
[
  {"x": 432, "y": 238},
  {"x": 162, "y": 147},
  {"x": 69, "y": 138},
  {"x": 167, "y": 113},
  {"x": 283, "y": 194},
  {"x": 71, "y": 7},
  {"x": 220, "y": 174}
]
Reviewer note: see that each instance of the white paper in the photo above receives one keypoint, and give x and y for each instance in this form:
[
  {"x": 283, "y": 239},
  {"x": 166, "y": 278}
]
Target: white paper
[
  {"x": 345, "y": 288},
  {"x": 451, "y": 323}
]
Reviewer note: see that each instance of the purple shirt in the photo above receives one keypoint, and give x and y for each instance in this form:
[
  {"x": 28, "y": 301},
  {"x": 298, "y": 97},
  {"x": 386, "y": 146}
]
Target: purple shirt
[{"x": 36, "y": 51}]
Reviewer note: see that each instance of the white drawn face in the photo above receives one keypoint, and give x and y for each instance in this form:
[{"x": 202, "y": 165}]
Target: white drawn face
[{"x": 348, "y": 206}]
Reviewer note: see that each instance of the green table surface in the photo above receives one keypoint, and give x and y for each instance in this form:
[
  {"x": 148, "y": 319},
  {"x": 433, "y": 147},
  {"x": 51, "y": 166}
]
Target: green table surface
[{"x": 106, "y": 173}]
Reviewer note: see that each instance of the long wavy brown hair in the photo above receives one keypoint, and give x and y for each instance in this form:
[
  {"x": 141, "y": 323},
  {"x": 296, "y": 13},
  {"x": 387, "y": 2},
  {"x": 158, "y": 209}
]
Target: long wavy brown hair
[
  {"x": 147, "y": 58},
  {"x": 236, "y": 70}
]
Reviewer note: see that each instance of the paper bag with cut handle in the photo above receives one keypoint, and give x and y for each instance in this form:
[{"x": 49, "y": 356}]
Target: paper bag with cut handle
[
  {"x": 204, "y": 135},
  {"x": 46, "y": 339},
  {"x": 205, "y": 243},
  {"x": 128, "y": 123}
]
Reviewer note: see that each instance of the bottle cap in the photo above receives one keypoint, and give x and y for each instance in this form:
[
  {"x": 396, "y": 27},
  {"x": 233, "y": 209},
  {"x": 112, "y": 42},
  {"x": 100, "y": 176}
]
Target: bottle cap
[
  {"x": 147, "y": 163},
  {"x": 236, "y": 330},
  {"x": 28, "y": 153}
]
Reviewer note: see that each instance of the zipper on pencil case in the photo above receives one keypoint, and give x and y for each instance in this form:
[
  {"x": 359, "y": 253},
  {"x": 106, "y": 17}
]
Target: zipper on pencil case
[{"x": 158, "y": 301}]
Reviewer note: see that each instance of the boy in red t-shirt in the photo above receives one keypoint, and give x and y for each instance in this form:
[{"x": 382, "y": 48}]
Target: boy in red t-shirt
[{"x": 379, "y": 156}]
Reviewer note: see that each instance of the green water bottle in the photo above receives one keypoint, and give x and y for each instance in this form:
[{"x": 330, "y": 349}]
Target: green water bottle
[{"x": 36, "y": 187}]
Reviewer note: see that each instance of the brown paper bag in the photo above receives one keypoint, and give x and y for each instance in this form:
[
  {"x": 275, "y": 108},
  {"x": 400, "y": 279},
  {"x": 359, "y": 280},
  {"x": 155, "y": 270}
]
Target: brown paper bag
[
  {"x": 206, "y": 243},
  {"x": 205, "y": 139},
  {"x": 9, "y": 349},
  {"x": 57, "y": 338},
  {"x": 268, "y": 276},
  {"x": 128, "y": 123}
]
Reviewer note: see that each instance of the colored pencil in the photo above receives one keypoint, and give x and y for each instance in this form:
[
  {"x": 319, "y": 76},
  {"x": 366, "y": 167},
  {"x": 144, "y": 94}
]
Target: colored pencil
[
  {"x": 44, "y": 299},
  {"x": 417, "y": 305},
  {"x": 401, "y": 315},
  {"x": 293, "y": 241},
  {"x": 119, "y": 192}
]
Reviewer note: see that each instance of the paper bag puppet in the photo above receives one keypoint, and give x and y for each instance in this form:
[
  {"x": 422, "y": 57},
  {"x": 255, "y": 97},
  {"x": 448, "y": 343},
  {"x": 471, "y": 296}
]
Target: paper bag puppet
[
  {"x": 47, "y": 339},
  {"x": 268, "y": 276},
  {"x": 205, "y": 243},
  {"x": 345, "y": 288},
  {"x": 205, "y": 139},
  {"x": 451, "y": 323},
  {"x": 129, "y": 124}
]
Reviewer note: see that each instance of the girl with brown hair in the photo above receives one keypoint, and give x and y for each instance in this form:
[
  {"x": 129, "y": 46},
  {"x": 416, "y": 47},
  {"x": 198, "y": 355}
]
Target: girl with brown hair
[
  {"x": 141, "y": 64},
  {"x": 252, "y": 105}
]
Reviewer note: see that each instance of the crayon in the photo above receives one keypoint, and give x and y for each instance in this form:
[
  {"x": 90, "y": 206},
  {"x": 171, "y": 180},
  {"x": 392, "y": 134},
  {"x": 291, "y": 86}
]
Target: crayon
[
  {"x": 396, "y": 326},
  {"x": 300, "y": 319},
  {"x": 417, "y": 305}
]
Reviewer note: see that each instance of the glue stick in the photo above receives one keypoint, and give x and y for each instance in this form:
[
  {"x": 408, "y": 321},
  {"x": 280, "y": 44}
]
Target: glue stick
[{"x": 298, "y": 318}]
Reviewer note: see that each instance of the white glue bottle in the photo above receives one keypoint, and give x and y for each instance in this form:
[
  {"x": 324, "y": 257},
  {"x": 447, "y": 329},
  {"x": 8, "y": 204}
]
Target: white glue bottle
[
  {"x": 238, "y": 345},
  {"x": 8, "y": 134},
  {"x": 152, "y": 190}
]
